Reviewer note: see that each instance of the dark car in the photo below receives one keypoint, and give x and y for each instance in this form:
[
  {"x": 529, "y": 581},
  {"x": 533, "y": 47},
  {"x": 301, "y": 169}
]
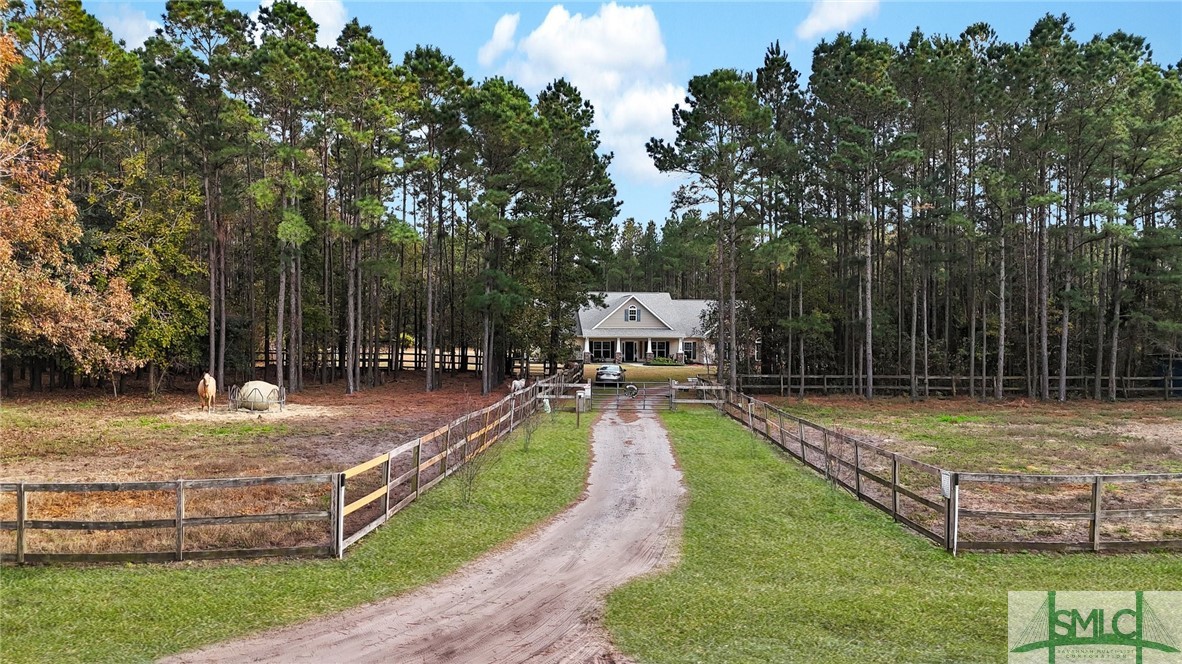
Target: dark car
[{"x": 610, "y": 373}]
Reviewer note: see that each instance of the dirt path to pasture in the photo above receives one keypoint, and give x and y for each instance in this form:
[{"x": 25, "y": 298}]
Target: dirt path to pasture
[{"x": 537, "y": 601}]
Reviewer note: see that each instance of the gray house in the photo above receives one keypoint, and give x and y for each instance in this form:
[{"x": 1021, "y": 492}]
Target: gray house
[{"x": 635, "y": 327}]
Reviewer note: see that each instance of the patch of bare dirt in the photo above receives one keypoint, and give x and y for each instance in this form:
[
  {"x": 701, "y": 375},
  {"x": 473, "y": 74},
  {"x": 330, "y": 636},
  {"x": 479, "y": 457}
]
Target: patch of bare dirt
[
  {"x": 292, "y": 411},
  {"x": 537, "y": 601},
  {"x": 89, "y": 436}
]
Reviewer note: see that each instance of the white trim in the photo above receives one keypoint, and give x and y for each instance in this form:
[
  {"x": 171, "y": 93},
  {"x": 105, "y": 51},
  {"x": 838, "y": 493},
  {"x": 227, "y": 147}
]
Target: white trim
[{"x": 628, "y": 299}]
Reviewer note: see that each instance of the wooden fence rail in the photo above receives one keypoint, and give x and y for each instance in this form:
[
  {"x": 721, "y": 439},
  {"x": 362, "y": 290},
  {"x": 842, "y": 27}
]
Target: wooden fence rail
[
  {"x": 24, "y": 521},
  {"x": 928, "y": 499},
  {"x": 1133, "y": 387},
  {"x": 453, "y": 446},
  {"x": 458, "y": 443}
]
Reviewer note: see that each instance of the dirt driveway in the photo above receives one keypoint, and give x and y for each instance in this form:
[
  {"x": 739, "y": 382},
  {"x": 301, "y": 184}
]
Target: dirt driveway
[{"x": 537, "y": 601}]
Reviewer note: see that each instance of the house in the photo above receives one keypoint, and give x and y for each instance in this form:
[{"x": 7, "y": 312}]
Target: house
[{"x": 636, "y": 327}]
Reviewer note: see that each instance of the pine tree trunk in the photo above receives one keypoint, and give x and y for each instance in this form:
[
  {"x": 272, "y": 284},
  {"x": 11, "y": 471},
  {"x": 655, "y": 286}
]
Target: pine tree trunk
[
  {"x": 800, "y": 341},
  {"x": 914, "y": 320},
  {"x": 221, "y": 374},
  {"x": 869, "y": 310},
  {"x": 350, "y": 319},
  {"x": 1099, "y": 372},
  {"x": 1116, "y": 293},
  {"x": 733, "y": 241},
  {"x": 926, "y": 374},
  {"x": 998, "y": 386},
  {"x": 292, "y": 383},
  {"x": 972, "y": 327},
  {"x": 1044, "y": 357},
  {"x": 279, "y": 322}
]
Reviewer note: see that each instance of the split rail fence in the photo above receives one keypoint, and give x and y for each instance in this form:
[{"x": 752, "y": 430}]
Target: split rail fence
[
  {"x": 388, "y": 483},
  {"x": 934, "y": 502},
  {"x": 1132, "y": 387}
]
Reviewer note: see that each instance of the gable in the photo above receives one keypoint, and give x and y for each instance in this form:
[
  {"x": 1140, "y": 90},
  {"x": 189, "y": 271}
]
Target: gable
[
  {"x": 659, "y": 314},
  {"x": 619, "y": 317}
]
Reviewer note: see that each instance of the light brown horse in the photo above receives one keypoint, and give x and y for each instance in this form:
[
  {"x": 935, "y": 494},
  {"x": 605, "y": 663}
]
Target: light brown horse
[{"x": 207, "y": 389}]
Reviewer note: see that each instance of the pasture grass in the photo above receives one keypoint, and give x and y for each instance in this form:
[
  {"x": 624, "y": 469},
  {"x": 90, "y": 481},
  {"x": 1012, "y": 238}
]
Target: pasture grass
[
  {"x": 778, "y": 567},
  {"x": 639, "y": 373},
  {"x": 1015, "y": 436},
  {"x": 61, "y": 432},
  {"x": 137, "y": 613}
]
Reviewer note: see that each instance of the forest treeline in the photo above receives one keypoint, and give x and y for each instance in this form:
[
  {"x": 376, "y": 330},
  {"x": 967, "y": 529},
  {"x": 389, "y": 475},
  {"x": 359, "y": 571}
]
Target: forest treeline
[
  {"x": 944, "y": 206},
  {"x": 233, "y": 187},
  {"x": 956, "y": 205}
]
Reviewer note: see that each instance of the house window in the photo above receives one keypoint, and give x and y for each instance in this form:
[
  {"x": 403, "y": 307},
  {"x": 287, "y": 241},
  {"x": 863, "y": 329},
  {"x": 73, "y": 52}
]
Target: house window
[
  {"x": 661, "y": 348},
  {"x": 690, "y": 348},
  {"x": 603, "y": 350},
  {"x": 632, "y": 314}
]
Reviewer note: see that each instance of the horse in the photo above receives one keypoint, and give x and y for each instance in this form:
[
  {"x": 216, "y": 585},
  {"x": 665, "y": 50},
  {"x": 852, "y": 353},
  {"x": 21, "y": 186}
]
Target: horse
[
  {"x": 519, "y": 385},
  {"x": 207, "y": 389}
]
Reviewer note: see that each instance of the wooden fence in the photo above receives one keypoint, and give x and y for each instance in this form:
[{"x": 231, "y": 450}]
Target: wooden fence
[
  {"x": 402, "y": 474},
  {"x": 1134, "y": 387},
  {"x": 391, "y": 481},
  {"x": 933, "y": 501},
  {"x": 26, "y": 522}
]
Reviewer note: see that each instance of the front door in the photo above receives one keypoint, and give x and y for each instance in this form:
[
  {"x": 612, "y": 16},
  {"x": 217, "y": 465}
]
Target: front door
[{"x": 629, "y": 351}]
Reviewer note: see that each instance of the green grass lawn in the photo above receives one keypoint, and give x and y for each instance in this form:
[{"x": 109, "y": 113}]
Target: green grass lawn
[
  {"x": 778, "y": 567},
  {"x": 138, "y": 613},
  {"x": 639, "y": 373}
]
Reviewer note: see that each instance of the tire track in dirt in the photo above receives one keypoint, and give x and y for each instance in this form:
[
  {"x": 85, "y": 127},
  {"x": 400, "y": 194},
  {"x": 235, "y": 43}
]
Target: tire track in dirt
[{"x": 539, "y": 600}]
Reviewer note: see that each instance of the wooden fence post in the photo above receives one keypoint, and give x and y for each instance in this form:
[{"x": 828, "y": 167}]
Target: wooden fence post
[
  {"x": 22, "y": 514},
  {"x": 780, "y": 426},
  {"x": 954, "y": 512},
  {"x": 417, "y": 458},
  {"x": 857, "y": 470},
  {"x": 447, "y": 446},
  {"x": 338, "y": 546},
  {"x": 333, "y": 502},
  {"x": 386, "y": 498},
  {"x": 895, "y": 486},
  {"x": 825, "y": 446},
  {"x": 180, "y": 519},
  {"x": 1097, "y": 495},
  {"x": 801, "y": 423}
]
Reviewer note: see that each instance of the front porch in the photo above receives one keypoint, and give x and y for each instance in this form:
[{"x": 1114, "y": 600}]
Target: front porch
[{"x": 638, "y": 349}]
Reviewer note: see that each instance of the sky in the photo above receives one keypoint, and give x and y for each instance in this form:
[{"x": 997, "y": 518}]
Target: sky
[{"x": 633, "y": 61}]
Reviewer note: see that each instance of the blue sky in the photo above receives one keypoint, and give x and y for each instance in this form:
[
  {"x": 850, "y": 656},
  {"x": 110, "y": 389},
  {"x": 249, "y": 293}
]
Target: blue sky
[{"x": 633, "y": 60}]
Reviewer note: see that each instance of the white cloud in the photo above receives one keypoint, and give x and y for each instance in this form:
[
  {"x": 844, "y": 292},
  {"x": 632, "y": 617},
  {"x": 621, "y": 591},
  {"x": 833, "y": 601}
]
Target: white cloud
[
  {"x": 616, "y": 57},
  {"x": 832, "y": 15},
  {"x": 501, "y": 42},
  {"x": 131, "y": 25},
  {"x": 330, "y": 16}
]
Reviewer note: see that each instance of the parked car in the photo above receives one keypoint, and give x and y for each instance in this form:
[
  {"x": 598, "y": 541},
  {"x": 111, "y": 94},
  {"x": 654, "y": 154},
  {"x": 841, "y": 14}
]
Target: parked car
[{"x": 610, "y": 373}]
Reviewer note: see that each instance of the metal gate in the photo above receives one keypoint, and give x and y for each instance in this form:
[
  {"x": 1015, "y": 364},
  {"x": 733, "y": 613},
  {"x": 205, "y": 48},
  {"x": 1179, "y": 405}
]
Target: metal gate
[{"x": 631, "y": 396}]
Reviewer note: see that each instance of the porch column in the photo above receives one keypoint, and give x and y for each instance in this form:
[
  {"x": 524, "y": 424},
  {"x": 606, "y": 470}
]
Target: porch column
[
  {"x": 586, "y": 344},
  {"x": 650, "y": 346}
]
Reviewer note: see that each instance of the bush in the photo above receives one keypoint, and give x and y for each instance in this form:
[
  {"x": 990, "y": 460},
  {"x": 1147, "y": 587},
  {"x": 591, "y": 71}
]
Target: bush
[{"x": 662, "y": 362}]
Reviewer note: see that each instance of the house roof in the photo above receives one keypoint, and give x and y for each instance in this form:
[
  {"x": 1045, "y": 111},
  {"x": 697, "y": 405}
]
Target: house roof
[{"x": 683, "y": 316}]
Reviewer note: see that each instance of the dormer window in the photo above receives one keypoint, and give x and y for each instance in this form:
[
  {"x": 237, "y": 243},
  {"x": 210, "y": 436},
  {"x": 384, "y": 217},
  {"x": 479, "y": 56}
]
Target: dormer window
[{"x": 632, "y": 314}]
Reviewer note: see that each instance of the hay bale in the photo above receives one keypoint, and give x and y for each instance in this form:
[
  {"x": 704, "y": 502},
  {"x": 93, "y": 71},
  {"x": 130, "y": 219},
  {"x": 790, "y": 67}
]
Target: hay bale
[{"x": 258, "y": 395}]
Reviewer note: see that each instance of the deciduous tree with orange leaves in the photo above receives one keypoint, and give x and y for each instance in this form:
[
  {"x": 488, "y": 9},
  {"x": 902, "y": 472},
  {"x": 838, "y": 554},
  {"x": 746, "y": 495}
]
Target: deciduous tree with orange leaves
[{"x": 49, "y": 303}]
